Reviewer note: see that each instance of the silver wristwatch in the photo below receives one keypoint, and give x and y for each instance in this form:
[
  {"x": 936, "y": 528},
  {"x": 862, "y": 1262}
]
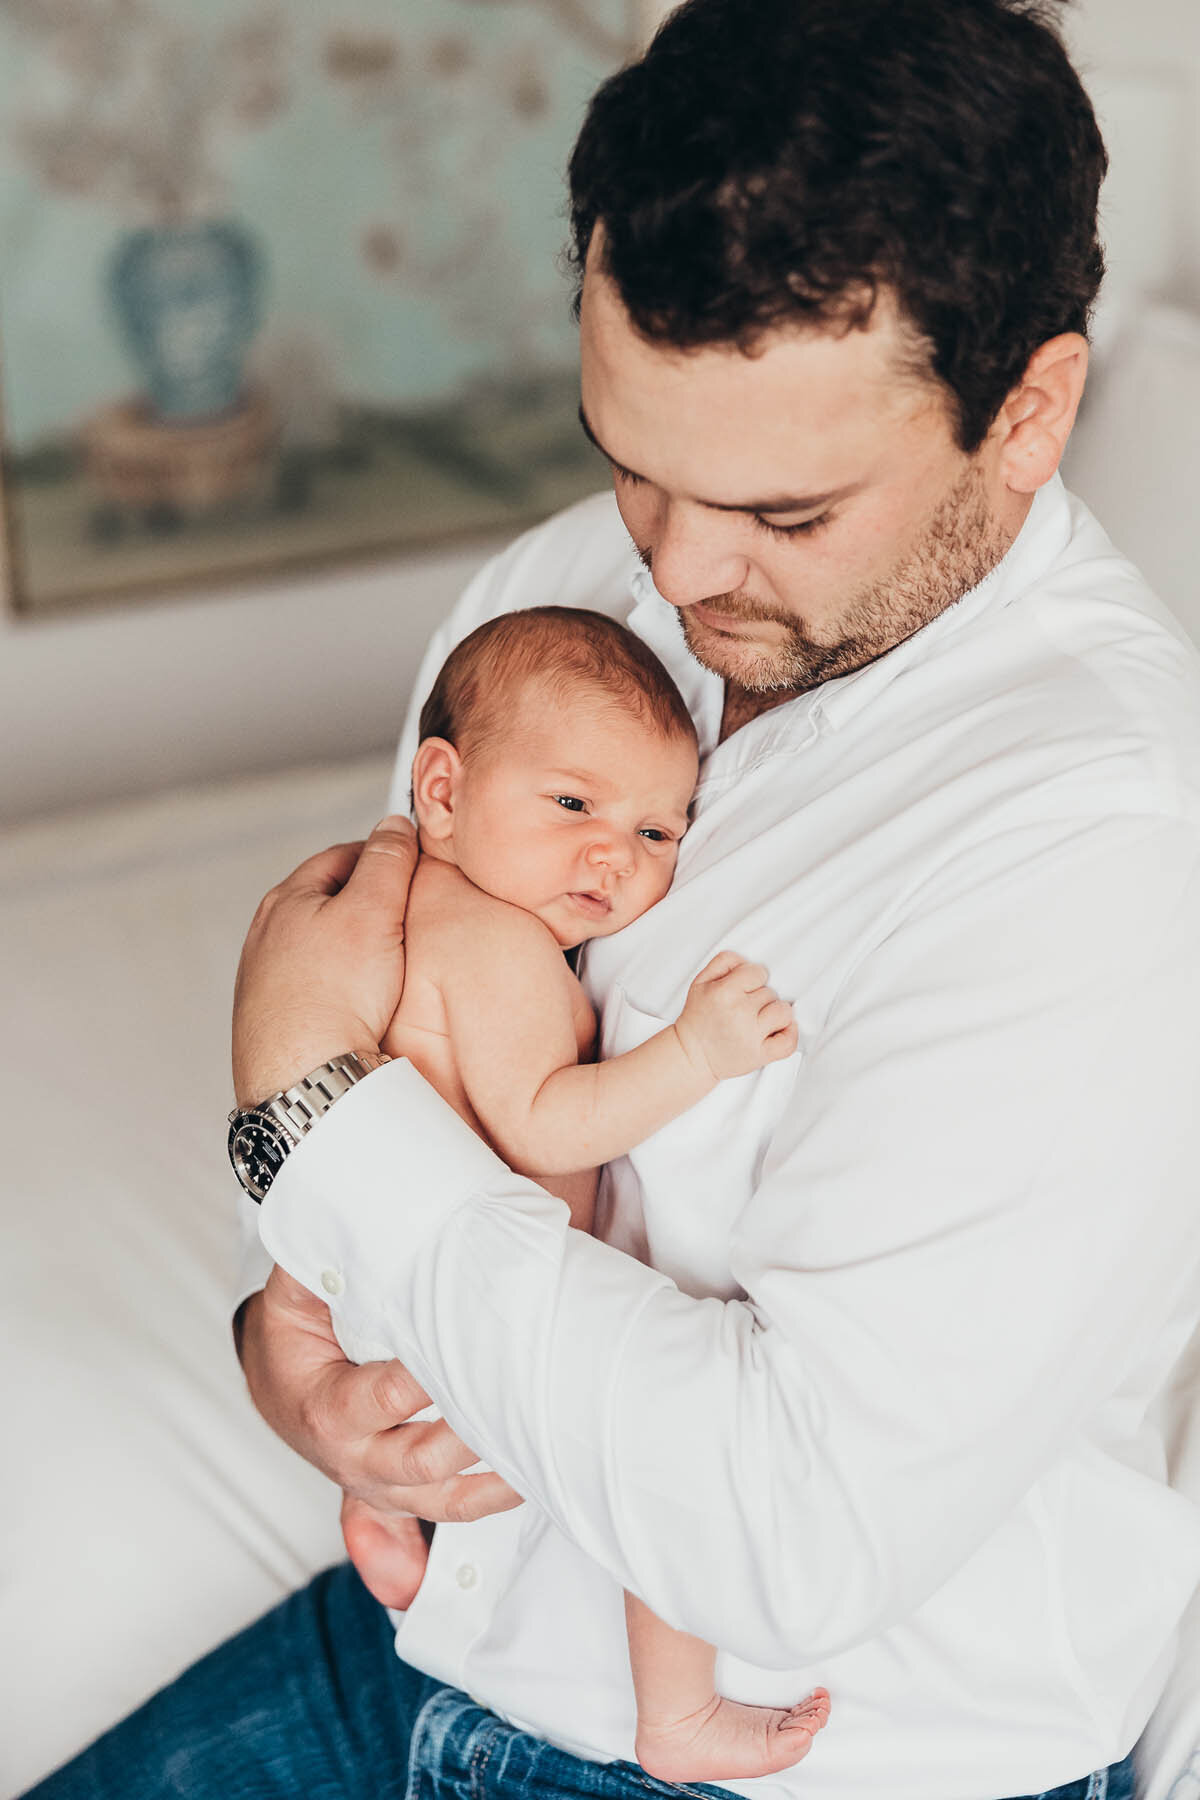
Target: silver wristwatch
[{"x": 261, "y": 1136}]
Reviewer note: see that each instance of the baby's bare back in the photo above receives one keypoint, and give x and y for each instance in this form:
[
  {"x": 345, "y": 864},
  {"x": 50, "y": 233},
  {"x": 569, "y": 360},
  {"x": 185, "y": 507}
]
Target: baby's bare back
[{"x": 449, "y": 919}]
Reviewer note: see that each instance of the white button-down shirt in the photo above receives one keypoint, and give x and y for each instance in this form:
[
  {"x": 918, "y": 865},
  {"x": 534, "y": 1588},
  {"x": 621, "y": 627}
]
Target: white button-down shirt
[{"x": 855, "y": 1380}]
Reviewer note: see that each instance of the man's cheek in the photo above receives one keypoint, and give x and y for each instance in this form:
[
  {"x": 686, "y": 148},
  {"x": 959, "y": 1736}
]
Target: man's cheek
[{"x": 637, "y": 512}]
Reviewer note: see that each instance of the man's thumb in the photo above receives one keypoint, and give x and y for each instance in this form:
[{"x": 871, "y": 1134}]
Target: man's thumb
[{"x": 385, "y": 866}]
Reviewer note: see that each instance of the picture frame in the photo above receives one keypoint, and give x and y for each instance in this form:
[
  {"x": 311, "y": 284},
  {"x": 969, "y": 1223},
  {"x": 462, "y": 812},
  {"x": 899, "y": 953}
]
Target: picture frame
[{"x": 282, "y": 292}]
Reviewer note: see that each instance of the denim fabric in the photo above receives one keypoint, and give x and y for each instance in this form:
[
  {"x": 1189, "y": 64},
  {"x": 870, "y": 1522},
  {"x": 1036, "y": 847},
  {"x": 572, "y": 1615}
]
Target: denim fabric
[
  {"x": 1114, "y": 1783},
  {"x": 312, "y": 1700}
]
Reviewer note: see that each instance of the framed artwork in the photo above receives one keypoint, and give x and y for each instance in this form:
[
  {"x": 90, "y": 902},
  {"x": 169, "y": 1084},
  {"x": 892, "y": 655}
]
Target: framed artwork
[{"x": 282, "y": 285}]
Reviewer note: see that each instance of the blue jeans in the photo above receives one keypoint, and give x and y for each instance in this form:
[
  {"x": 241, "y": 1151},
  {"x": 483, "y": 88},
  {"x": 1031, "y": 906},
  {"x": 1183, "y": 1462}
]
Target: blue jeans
[{"x": 312, "y": 1703}]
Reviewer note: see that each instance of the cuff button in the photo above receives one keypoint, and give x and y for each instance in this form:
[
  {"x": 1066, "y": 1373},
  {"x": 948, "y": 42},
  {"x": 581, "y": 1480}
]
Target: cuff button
[{"x": 332, "y": 1282}]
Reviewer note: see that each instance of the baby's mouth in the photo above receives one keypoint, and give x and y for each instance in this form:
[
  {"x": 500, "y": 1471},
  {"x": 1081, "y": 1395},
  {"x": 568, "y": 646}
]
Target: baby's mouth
[{"x": 593, "y": 905}]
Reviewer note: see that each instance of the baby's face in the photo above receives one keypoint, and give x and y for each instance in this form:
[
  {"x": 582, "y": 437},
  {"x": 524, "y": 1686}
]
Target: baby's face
[{"x": 575, "y": 813}]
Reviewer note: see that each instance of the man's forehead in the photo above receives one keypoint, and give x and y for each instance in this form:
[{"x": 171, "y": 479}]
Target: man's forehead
[
  {"x": 814, "y": 401},
  {"x": 885, "y": 351}
]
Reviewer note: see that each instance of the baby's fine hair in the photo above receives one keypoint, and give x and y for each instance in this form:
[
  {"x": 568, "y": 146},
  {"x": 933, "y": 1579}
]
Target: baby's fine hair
[{"x": 561, "y": 648}]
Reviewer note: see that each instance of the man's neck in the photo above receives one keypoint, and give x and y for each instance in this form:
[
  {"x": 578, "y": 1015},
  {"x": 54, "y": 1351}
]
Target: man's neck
[{"x": 742, "y": 705}]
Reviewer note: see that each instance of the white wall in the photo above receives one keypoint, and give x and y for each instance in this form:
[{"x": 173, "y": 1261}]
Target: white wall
[
  {"x": 1151, "y": 218},
  {"x": 98, "y": 705}
]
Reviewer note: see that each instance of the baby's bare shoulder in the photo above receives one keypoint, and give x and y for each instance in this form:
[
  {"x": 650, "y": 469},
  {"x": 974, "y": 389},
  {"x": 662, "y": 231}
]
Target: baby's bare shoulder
[{"x": 451, "y": 919}]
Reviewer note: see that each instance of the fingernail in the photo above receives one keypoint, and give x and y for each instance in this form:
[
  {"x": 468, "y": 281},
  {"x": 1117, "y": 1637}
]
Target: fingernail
[{"x": 395, "y": 822}]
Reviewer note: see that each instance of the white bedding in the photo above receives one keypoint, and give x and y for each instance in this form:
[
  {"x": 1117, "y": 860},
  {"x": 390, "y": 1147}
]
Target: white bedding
[{"x": 145, "y": 1510}]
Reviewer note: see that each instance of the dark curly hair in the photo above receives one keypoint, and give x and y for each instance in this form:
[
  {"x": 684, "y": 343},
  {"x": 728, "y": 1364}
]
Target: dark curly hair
[{"x": 769, "y": 161}]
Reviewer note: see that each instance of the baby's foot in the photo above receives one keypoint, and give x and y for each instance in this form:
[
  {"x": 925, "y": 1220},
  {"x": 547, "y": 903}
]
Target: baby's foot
[
  {"x": 725, "y": 1740},
  {"x": 389, "y": 1550}
]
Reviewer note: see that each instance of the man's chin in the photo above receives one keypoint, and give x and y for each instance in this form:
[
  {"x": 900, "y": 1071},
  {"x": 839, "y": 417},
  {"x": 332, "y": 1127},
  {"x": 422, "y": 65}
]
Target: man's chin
[{"x": 758, "y": 667}]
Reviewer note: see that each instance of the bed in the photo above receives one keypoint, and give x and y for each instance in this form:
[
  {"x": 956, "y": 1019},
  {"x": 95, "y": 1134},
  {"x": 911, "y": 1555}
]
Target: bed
[{"x": 146, "y": 1512}]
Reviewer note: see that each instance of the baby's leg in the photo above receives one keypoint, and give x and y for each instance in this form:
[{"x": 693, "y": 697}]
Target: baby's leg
[{"x": 686, "y": 1730}]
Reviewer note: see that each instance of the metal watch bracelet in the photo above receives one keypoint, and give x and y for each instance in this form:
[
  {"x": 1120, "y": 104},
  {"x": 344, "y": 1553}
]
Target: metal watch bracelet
[
  {"x": 298, "y": 1108},
  {"x": 262, "y": 1137}
]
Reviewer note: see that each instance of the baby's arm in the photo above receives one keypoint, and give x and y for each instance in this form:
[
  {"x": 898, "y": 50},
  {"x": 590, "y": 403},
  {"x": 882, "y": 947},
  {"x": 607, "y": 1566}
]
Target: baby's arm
[{"x": 507, "y": 1004}]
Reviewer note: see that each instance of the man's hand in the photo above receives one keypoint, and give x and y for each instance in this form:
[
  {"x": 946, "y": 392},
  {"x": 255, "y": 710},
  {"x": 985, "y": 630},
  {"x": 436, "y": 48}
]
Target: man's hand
[
  {"x": 348, "y": 1420},
  {"x": 322, "y": 967}
]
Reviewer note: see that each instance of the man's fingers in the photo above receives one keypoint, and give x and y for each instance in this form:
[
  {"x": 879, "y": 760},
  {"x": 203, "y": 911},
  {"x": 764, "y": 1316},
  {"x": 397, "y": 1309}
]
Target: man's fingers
[
  {"x": 325, "y": 873},
  {"x": 416, "y": 1455},
  {"x": 457, "y": 1501},
  {"x": 330, "y": 870},
  {"x": 357, "y": 1401},
  {"x": 385, "y": 867},
  {"x": 469, "y": 1497}
]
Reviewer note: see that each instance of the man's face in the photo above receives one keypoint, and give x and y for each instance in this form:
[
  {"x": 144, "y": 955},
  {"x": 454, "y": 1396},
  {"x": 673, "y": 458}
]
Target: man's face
[
  {"x": 574, "y": 811},
  {"x": 806, "y": 508}
]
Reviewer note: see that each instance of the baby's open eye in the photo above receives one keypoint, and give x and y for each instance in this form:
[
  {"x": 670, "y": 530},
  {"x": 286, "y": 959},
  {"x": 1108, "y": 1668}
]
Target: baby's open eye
[
  {"x": 655, "y": 835},
  {"x": 572, "y": 802}
]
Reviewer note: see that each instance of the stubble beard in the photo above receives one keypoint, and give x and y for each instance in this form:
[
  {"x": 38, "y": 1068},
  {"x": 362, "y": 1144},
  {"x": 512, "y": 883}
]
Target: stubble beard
[{"x": 960, "y": 546}]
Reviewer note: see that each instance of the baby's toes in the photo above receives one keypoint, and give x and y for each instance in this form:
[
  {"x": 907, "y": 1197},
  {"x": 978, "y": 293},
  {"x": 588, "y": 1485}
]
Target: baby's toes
[{"x": 808, "y": 1715}]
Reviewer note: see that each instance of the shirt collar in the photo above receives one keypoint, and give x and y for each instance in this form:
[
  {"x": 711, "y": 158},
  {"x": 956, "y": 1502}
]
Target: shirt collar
[{"x": 1040, "y": 541}]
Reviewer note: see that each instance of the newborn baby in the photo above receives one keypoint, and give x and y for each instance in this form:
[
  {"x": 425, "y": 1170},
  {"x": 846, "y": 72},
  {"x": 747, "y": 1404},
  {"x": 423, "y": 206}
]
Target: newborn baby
[{"x": 551, "y": 790}]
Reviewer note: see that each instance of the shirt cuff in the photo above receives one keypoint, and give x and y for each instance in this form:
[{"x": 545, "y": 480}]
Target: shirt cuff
[
  {"x": 380, "y": 1173},
  {"x": 254, "y": 1262}
]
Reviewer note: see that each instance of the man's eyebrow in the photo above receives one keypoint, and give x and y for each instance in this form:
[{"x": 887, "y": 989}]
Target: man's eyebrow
[{"x": 777, "y": 503}]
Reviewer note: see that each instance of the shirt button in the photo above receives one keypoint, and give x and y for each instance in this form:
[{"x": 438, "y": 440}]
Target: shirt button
[
  {"x": 466, "y": 1575},
  {"x": 332, "y": 1282}
]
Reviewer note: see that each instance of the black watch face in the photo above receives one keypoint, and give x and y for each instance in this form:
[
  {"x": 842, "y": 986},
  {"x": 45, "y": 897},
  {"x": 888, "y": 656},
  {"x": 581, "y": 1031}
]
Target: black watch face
[{"x": 257, "y": 1148}]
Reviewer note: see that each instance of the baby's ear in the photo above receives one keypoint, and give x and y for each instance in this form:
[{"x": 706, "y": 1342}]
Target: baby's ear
[{"x": 436, "y": 768}]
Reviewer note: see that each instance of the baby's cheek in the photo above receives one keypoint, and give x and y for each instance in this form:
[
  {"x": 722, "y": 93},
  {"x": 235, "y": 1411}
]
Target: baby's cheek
[
  {"x": 657, "y": 886},
  {"x": 668, "y": 873}
]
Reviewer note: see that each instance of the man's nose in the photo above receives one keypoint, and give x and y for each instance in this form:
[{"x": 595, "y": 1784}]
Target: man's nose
[{"x": 695, "y": 553}]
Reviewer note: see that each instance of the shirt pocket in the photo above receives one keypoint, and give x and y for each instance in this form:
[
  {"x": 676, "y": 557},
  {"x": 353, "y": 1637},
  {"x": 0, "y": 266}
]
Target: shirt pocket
[{"x": 676, "y": 1198}]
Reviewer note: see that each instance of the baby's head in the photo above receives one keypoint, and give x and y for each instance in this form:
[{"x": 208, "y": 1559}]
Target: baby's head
[{"x": 556, "y": 766}]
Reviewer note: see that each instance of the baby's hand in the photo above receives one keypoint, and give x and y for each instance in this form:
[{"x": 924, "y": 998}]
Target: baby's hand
[{"x": 732, "y": 1022}]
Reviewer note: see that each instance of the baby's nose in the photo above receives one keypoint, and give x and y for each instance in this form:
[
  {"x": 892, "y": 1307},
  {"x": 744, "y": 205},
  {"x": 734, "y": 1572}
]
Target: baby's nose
[{"x": 611, "y": 850}]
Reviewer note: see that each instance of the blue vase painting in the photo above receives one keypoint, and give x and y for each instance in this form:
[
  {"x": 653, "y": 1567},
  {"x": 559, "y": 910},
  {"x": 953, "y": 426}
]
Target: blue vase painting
[
  {"x": 188, "y": 299},
  {"x": 278, "y": 282}
]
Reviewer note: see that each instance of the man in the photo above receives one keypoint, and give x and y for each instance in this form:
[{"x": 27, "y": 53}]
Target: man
[{"x": 857, "y": 1387}]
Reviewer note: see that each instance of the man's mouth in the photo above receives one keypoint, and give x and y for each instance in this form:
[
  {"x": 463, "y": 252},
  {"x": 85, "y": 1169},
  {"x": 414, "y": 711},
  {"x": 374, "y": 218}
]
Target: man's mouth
[
  {"x": 592, "y": 905},
  {"x": 716, "y": 620}
]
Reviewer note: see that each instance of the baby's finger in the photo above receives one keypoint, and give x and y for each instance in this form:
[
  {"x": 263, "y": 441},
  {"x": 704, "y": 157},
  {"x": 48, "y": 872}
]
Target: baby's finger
[
  {"x": 721, "y": 964},
  {"x": 776, "y": 1015},
  {"x": 746, "y": 977},
  {"x": 782, "y": 1044}
]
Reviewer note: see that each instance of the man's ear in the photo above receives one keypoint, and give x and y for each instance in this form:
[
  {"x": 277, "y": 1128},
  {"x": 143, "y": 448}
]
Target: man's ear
[
  {"x": 436, "y": 769},
  {"x": 1033, "y": 425}
]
